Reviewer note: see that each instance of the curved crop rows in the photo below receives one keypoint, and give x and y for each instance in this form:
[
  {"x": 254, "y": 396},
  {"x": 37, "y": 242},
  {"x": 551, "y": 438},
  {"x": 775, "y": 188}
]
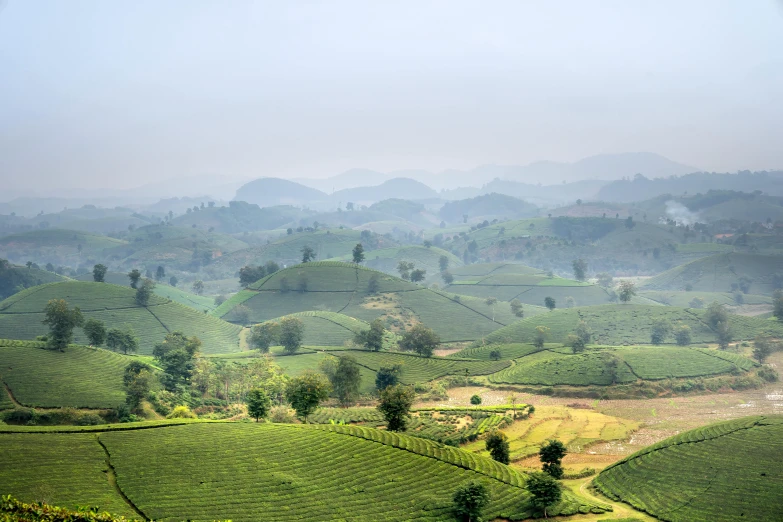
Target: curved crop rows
[{"x": 722, "y": 472}]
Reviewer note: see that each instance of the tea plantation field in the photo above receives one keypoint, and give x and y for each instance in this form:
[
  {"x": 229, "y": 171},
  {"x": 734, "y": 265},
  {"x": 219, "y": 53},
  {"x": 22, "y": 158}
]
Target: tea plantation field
[
  {"x": 21, "y": 315},
  {"x": 628, "y": 324},
  {"x": 552, "y": 368},
  {"x": 178, "y": 295},
  {"x": 344, "y": 288},
  {"x": 386, "y": 259},
  {"x": 328, "y": 328},
  {"x": 79, "y": 377},
  {"x": 269, "y": 472},
  {"x": 721, "y": 472}
]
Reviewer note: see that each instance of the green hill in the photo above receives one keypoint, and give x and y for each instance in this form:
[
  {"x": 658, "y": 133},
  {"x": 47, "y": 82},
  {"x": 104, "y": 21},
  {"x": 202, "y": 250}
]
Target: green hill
[
  {"x": 21, "y": 315},
  {"x": 719, "y": 272},
  {"x": 628, "y": 324},
  {"x": 507, "y": 281},
  {"x": 344, "y": 288},
  {"x": 722, "y": 472},
  {"x": 79, "y": 377},
  {"x": 239, "y": 217},
  {"x": 328, "y": 328},
  {"x": 386, "y": 259},
  {"x": 14, "y": 278},
  {"x": 56, "y": 246},
  {"x": 649, "y": 363},
  {"x": 274, "y": 472},
  {"x": 683, "y": 299}
]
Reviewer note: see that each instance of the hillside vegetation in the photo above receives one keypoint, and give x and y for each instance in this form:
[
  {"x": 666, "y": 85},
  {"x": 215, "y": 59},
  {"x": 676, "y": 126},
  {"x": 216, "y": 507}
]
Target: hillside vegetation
[
  {"x": 21, "y": 315},
  {"x": 345, "y": 288},
  {"x": 387, "y": 259},
  {"x": 722, "y": 472},
  {"x": 340, "y": 472},
  {"x": 718, "y": 273},
  {"x": 56, "y": 246}
]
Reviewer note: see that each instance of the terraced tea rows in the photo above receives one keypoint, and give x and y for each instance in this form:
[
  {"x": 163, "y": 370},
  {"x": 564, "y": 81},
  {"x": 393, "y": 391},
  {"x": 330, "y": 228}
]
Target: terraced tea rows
[
  {"x": 80, "y": 377},
  {"x": 507, "y": 351},
  {"x": 721, "y": 472},
  {"x": 21, "y": 315},
  {"x": 328, "y": 328}
]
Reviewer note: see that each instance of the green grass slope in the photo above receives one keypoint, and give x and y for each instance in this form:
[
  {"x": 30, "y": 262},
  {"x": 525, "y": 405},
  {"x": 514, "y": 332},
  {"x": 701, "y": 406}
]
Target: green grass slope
[
  {"x": 530, "y": 286},
  {"x": 683, "y": 299},
  {"x": 386, "y": 259},
  {"x": 717, "y": 273},
  {"x": 343, "y": 288},
  {"x": 79, "y": 377},
  {"x": 722, "y": 472},
  {"x": 21, "y": 315},
  {"x": 16, "y": 278},
  {"x": 178, "y": 295},
  {"x": 273, "y": 472},
  {"x": 628, "y": 324},
  {"x": 328, "y": 328}
]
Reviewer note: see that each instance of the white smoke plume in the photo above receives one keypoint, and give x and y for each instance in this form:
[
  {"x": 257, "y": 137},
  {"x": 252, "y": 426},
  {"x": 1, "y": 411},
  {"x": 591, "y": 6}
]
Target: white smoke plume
[{"x": 680, "y": 213}]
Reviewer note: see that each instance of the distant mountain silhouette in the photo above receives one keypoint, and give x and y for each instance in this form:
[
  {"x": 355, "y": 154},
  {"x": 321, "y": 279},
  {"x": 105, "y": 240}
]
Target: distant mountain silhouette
[
  {"x": 266, "y": 192},
  {"x": 400, "y": 188}
]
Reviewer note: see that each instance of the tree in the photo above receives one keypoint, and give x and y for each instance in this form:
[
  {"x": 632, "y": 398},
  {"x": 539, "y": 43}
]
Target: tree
[
  {"x": 716, "y": 313},
  {"x": 577, "y": 345},
  {"x": 420, "y": 339},
  {"x": 404, "y": 268},
  {"x": 443, "y": 263},
  {"x": 372, "y": 338},
  {"x": 387, "y": 376},
  {"x": 629, "y": 223},
  {"x": 418, "y": 275},
  {"x": 569, "y": 302},
  {"x": 95, "y": 331},
  {"x": 307, "y": 392},
  {"x": 358, "y": 253},
  {"x": 583, "y": 332},
  {"x": 696, "y": 302},
  {"x": 516, "y": 307},
  {"x": 160, "y": 273},
  {"x": 762, "y": 348},
  {"x": 660, "y": 329},
  {"x": 134, "y": 276},
  {"x": 627, "y": 290},
  {"x": 551, "y": 455},
  {"x": 395, "y": 406},
  {"x": 373, "y": 284},
  {"x": 777, "y": 304},
  {"x": 349, "y": 205},
  {"x": 124, "y": 340},
  {"x": 173, "y": 281},
  {"x": 347, "y": 380},
  {"x": 308, "y": 254},
  {"x": 498, "y": 447},
  {"x": 494, "y": 355},
  {"x": 241, "y": 314},
  {"x": 61, "y": 320},
  {"x": 264, "y": 335},
  {"x": 136, "y": 381},
  {"x": 605, "y": 280},
  {"x": 544, "y": 490},
  {"x": 198, "y": 286},
  {"x": 176, "y": 356},
  {"x": 580, "y": 269},
  {"x": 99, "y": 273},
  {"x": 549, "y": 302},
  {"x": 291, "y": 333},
  {"x": 724, "y": 334},
  {"x": 682, "y": 335},
  {"x": 475, "y": 400},
  {"x": 470, "y": 499},
  {"x": 447, "y": 277},
  {"x": 542, "y": 332},
  {"x": 258, "y": 404},
  {"x": 144, "y": 292},
  {"x": 250, "y": 274}
]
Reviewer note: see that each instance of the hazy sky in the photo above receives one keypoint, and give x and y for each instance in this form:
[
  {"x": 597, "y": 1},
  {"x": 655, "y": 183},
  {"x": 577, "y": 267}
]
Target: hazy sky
[{"x": 121, "y": 93}]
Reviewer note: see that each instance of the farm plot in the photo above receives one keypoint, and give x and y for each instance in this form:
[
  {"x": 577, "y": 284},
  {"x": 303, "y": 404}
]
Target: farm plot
[
  {"x": 21, "y": 315},
  {"x": 721, "y": 472},
  {"x": 507, "y": 351},
  {"x": 337, "y": 469},
  {"x": 661, "y": 362},
  {"x": 553, "y": 369},
  {"x": 328, "y": 328},
  {"x": 79, "y": 377},
  {"x": 66, "y": 470}
]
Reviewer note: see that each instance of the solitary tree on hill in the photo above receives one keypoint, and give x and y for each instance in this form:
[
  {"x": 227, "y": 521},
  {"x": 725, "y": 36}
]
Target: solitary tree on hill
[
  {"x": 358, "y": 253},
  {"x": 542, "y": 332},
  {"x": 160, "y": 273},
  {"x": 551, "y": 455},
  {"x": 173, "y": 281},
  {"x": 372, "y": 338},
  {"x": 346, "y": 380},
  {"x": 136, "y": 380},
  {"x": 61, "y": 320},
  {"x": 404, "y": 268},
  {"x": 498, "y": 446},
  {"x": 470, "y": 499},
  {"x": 544, "y": 490},
  {"x": 99, "y": 273},
  {"x": 443, "y": 263},
  {"x": 387, "y": 376},
  {"x": 420, "y": 339},
  {"x": 447, "y": 277},
  {"x": 418, "y": 275},
  {"x": 308, "y": 254},
  {"x": 395, "y": 405},
  {"x": 307, "y": 392},
  {"x": 144, "y": 292},
  {"x": 291, "y": 333},
  {"x": 627, "y": 290},
  {"x": 134, "y": 276},
  {"x": 549, "y": 302},
  {"x": 95, "y": 331},
  {"x": 580, "y": 269},
  {"x": 258, "y": 404},
  {"x": 198, "y": 286},
  {"x": 264, "y": 335},
  {"x": 516, "y": 307}
]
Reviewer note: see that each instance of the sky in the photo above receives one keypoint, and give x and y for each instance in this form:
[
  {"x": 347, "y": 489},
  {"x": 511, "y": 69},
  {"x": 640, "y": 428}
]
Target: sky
[{"x": 119, "y": 94}]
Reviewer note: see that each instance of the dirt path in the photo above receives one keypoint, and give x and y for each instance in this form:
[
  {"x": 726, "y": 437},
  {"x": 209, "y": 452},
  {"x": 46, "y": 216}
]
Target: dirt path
[{"x": 11, "y": 396}]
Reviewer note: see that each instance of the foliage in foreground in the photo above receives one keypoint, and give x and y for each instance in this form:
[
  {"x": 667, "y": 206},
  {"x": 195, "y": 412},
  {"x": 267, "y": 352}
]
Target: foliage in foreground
[{"x": 12, "y": 510}]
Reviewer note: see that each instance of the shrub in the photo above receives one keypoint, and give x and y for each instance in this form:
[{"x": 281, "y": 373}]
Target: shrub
[
  {"x": 475, "y": 400},
  {"x": 181, "y": 412}
]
